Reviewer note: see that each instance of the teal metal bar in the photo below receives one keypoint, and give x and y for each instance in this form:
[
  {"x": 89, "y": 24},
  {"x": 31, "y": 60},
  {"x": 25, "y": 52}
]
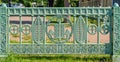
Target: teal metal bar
[
  {"x": 116, "y": 34},
  {"x": 74, "y": 28},
  {"x": 3, "y": 31},
  {"x": 32, "y": 18},
  {"x": 98, "y": 30},
  {"x": 8, "y": 33}
]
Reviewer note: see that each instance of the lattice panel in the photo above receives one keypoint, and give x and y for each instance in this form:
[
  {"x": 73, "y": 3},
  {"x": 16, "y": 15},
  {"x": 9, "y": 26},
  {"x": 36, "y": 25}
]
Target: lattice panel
[
  {"x": 60, "y": 49},
  {"x": 116, "y": 30},
  {"x": 59, "y": 11}
]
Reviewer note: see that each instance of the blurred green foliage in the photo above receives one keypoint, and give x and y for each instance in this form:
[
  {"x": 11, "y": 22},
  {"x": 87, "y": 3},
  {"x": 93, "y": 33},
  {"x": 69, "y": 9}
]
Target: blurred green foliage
[
  {"x": 28, "y": 3},
  {"x": 57, "y": 58},
  {"x": 59, "y": 3}
]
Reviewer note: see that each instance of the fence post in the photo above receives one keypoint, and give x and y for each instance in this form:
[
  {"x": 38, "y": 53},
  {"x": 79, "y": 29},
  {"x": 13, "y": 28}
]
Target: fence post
[
  {"x": 3, "y": 35},
  {"x": 116, "y": 34}
]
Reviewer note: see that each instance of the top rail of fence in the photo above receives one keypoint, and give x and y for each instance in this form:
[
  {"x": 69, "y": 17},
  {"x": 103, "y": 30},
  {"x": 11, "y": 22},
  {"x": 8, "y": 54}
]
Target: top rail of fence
[{"x": 59, "y": 11}]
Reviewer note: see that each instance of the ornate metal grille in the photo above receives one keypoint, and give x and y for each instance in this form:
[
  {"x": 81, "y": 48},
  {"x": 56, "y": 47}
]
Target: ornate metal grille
[{"x": 55, "y": 30}]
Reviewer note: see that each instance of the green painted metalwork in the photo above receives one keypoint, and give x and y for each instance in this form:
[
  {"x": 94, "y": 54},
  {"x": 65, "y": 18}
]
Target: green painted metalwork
[
  {"x": 59, "y": 34},
  {"x": 51, "y": 31},
  {"x": 79, "y": 30},
  {"x": 3, "y": 31},
  {"x": 52, "y": 35},
  {"x": 38, "y": 31},
  {"x": 14, "y": 29},
  {"x": 116, "y": 34}
]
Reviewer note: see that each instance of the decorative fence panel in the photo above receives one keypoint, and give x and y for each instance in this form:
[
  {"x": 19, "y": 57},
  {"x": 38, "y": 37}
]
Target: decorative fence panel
[
  {"x": 57, "y": 30},
  {"x": 51, "y": 30}
]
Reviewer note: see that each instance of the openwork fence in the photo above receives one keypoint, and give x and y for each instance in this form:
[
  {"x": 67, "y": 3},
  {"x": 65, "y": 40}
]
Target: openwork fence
[{"x": 59, "y": 30}]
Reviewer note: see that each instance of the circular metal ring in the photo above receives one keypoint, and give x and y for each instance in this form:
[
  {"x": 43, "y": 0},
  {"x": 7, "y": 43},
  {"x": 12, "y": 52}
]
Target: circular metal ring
[
  {"x": 104, "y": 29},
  {"x": 26, "y": 29},
  {"x": 14, "y": 29},
  {"x": 92, "y": 29}
]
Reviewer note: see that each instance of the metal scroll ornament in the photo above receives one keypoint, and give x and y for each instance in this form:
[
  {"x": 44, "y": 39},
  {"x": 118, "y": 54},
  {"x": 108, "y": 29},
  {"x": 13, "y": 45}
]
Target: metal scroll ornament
[
  {"x": 14, "y": 29},
  {"x": 62, "y": 29},
  {"x": 92, "y": 29},
  {"x": 104, "y": 29},
  {"x": 26, "y": 29}
]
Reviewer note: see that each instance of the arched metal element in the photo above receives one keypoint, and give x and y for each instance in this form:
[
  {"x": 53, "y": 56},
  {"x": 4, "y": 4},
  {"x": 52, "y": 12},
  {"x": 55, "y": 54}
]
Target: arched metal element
[
  {"x": 79, "y": 30},
  {"x": 38, "y": 30}
]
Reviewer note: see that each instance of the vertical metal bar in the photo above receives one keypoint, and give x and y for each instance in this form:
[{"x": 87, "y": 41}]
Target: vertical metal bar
[
  {"x": 74, "y": 28},
  {"x": 32, "y": 19},
  {"x": 8, "y": 33},
  {"x": 37, "y": 17},
  {"x": 44, "y": 28},
  {"x": 32, "y": 26},
  {"x": 44, "y": 42},
  {"x": 86, "y": 29},
  {"x": 20, "y": 29},
  {"x": 59, "y": 30},
  {"x": 98, "y": 34},
  {"x": 32, "y": 32},
  {"x": 44, "y": 22},
  {"x": 86, "y": 34},
  {"x": 98, "y": 30},
  {"x": 112, "y": 21}
]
